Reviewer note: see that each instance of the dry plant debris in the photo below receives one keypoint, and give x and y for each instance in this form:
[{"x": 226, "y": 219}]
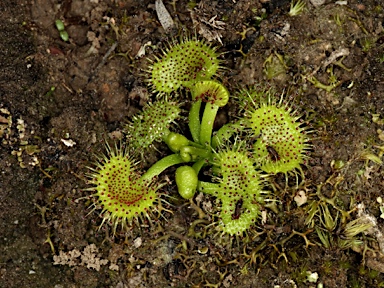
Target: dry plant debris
[{"x": 89, "y": 258}]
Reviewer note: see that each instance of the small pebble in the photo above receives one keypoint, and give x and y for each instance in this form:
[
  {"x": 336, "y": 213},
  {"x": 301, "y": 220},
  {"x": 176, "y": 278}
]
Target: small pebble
[{"x": 317, "y": 3}]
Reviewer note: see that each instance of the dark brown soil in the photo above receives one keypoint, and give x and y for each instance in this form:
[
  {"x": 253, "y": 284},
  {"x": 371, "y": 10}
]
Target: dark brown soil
[{"x": 60, "y": 100}]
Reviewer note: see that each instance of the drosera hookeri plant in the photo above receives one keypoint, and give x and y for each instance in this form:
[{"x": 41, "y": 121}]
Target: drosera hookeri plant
[{"x": 267, "y": 139}]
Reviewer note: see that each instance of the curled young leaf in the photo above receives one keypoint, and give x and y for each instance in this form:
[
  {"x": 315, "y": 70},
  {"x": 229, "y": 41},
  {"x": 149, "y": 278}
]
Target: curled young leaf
[{"x": 186, "y": 181}]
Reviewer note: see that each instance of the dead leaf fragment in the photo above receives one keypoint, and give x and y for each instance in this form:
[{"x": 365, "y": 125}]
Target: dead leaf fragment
[{"x": 164, "y": 17}]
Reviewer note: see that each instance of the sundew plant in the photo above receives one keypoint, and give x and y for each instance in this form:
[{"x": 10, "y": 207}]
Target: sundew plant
[{"x": 266, "y": 139}]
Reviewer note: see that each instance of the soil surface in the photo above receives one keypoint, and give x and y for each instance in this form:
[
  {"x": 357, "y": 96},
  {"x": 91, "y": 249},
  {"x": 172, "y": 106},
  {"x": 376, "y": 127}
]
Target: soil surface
[{"x": 61, "y": 100}]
